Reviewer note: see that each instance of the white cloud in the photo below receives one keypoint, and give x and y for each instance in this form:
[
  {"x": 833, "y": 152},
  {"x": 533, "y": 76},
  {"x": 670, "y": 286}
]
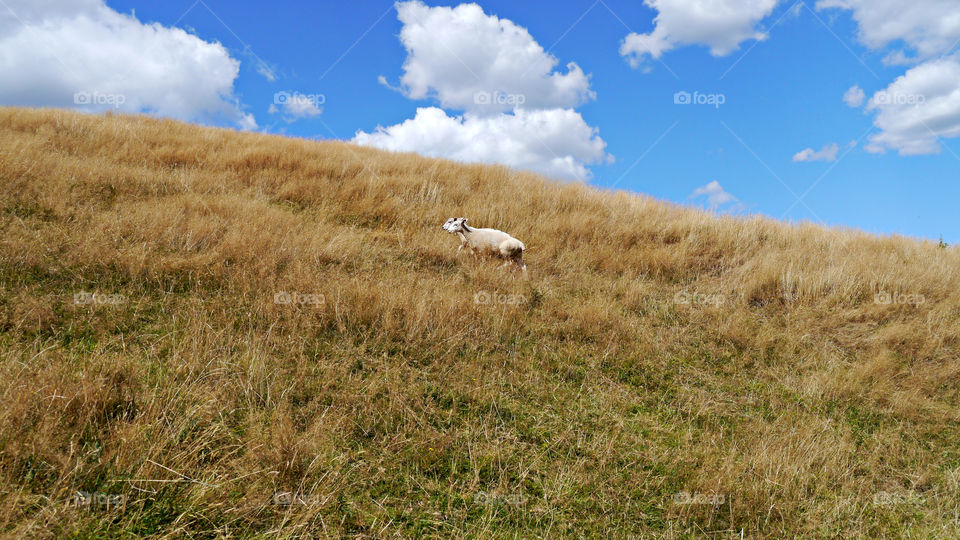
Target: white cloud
[
  {"x": 266, "y": 70},
  {"x": 854, "y": 97},
  {"x": 300, "y": 107},
  {"x": 246, "y": 122},
  {"x": 554, "y": 142},
  {"x": 827, "y": 153},
  {"x": 454, "y": 54},
  {"x": 719, "y": 24},
  {"x": 930, "y": 27},
  {"x": 518, "y": 109},
  {"x": 85, "y": 55},
  {"x": 919, "y": 107},
  {"x": 715, "y": 194},
  {"x": 383, "y": 81},
  {"x": 899, "y": 58},
  {"x": 923, "y": 104}
]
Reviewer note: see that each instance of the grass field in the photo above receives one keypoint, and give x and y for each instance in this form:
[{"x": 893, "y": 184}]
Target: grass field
[{"x": 214, "y": 334}]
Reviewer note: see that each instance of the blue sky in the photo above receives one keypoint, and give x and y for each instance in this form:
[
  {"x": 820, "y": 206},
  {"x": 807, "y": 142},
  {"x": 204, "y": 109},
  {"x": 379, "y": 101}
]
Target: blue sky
[{"x": 779, "y": 70}]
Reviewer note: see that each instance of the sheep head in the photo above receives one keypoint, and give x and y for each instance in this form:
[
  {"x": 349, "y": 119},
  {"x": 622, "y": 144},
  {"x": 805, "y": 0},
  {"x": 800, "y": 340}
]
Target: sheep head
[{"x": 455, "y": 225}]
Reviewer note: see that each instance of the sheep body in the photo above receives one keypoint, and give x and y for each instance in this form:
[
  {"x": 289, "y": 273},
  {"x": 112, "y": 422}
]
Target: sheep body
[{"x": 491, "y": 241}]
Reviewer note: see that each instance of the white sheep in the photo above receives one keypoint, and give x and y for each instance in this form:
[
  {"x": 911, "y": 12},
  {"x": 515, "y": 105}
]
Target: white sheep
[{"x": 489, "y": 241}]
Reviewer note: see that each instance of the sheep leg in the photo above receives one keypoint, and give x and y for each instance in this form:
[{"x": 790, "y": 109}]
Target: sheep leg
[{"x": 464, "y": 245}]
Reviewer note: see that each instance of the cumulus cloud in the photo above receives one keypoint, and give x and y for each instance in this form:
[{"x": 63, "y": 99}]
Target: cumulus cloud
[
  {"x": 301, "y": 106},
  {"x": 930, "y": 27},
  {"x": 899, "y": 58},
  {"x": 518, "y": 109},
  {"x": 83, "y": 54},
  {"x": 466, "y": 59},
  {"x": 919, "y": 107},
  {"x": 827, "y": 153},
  {"x": 555, "y": 142},
  {"x": 715, "y": 195},
  {"x": 854, "y": 97},
  {"x": 721, "y": 25},
  {"x": 923, "y": 104}
]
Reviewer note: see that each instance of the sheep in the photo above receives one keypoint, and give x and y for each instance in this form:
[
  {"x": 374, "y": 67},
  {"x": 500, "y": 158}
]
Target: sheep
[{"x": 490, "y": 241}]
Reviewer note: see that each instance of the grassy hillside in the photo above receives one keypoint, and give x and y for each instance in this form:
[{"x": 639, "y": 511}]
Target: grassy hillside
[{"x": 221, "y": 334}]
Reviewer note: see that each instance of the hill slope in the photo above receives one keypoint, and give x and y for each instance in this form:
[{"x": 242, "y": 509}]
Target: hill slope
[{"x": 199, "y": 326}]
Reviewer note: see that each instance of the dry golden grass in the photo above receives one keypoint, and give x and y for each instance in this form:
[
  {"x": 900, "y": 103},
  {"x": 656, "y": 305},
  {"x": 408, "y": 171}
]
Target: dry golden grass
[{"x": 663, "y": 372}]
